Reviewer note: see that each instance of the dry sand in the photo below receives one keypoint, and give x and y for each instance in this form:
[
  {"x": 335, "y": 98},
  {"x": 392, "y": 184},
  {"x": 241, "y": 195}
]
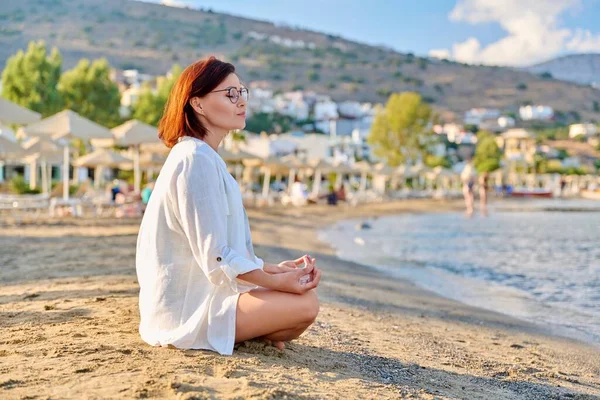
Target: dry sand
[{"x": 69, "y": 316}]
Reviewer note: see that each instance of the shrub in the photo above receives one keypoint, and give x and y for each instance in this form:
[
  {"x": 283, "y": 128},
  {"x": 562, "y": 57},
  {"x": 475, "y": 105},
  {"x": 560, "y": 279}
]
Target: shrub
[{"x": 19, "y": 186}]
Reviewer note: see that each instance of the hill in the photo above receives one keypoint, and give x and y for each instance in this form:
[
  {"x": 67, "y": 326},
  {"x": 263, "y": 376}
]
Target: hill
[
  {"x": 579, "y": 68},
  {"x": 152, "y": 37}
]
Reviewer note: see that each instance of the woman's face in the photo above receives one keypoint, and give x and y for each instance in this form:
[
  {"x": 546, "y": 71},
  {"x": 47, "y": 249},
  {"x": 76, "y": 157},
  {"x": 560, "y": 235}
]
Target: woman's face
[{"x": 218, "y": 109}]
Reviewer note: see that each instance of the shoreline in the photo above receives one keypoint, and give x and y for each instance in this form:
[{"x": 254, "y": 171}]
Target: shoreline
[
  {"x": 372, "y": 211},
  {"x": 72, "y": 323},
  {"x": 447, "y": 285}
]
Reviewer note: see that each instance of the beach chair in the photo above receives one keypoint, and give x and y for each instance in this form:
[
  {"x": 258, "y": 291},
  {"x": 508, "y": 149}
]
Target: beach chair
[
  {"x": 24, "y": 204},
  {"x": 60, "y": 207}
]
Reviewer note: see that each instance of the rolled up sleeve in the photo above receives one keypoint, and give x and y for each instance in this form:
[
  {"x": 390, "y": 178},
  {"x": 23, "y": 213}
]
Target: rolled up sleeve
[{"x": 203, "y": 210}]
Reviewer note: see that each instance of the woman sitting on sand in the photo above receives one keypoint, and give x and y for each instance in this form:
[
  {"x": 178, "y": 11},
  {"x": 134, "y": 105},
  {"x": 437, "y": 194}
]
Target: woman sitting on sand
[{"x": 201, "y": 285}]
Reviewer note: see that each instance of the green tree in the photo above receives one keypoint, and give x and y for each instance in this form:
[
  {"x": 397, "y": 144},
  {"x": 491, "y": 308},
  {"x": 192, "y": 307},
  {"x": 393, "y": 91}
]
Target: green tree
[
  {"x": 437, "y": 161},
  {"x": 30, "y": 79},
  {"x": 268, "y": 122},
  {"x": 401, "y": 130},
  {"x": 313, "y": 76},
  {"x": 150, "y": 105},
  {"x": 487, "y": 154},
  {"x": 88, "y": 90}
]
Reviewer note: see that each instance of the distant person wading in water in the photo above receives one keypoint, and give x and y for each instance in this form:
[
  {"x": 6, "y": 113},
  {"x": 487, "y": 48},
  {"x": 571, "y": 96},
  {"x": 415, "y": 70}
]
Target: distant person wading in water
[
  {"x": 468, "y": 182},
  {"x": 201, "y": 285}
]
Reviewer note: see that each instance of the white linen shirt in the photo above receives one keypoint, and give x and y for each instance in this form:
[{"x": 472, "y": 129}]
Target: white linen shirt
[{"x": 194, "y": 240}]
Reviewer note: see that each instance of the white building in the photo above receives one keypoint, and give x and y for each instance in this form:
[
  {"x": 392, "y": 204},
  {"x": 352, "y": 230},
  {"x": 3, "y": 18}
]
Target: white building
[
  {"x": 476, "y": 115},
  {"x": 293, "y": 104},
  {"x": 267, "y": 145},
  {"x": 452, "y": 131},
  {"x": 350, "y": 109},
  {"x": 310, "y": 145},
  {"x": 261, "y": 100},
  {"x": 297, "y": 109},
  {"x": 536, "y": 112},
  {"x": 548, "y": 151},
  {"x": 128, "y": 98},
  {"x": 586, "y": 130},
  {"x": 346, "y": 127},
  {"x": 325, "y": 110},
  {"x": 466, "y": 138},
  {"x": 135, "y": 77},
  {"x": 506, "y": 122}
]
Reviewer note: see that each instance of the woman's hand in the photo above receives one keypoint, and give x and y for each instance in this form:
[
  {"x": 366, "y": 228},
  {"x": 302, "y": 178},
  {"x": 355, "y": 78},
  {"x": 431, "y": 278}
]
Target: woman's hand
[
  {"x": 286, "y": 276},
  {"x": 291, "y": 281},
  {"x": 287, "y": 266}
]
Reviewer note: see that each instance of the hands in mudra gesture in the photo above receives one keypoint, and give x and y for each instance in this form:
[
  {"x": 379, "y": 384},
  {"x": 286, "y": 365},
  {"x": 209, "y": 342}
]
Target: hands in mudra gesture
[{"x": 292, "y": 278}]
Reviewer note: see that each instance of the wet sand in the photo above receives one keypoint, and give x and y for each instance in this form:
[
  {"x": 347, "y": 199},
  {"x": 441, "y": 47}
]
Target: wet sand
[{"x": 69, "y": 316}]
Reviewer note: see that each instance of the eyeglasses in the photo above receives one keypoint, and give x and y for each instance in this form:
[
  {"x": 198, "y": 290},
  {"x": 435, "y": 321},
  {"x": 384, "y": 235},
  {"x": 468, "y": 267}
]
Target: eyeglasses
[{"x": 234, "y": 93}]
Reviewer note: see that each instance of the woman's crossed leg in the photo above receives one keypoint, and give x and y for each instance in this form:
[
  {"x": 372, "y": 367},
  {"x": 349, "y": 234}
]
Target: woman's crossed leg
[{"x": 275, "y": 316}]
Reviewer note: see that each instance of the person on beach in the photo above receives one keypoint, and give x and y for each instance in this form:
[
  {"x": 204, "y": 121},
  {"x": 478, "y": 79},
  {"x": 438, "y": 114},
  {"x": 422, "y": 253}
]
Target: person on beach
[
  {"x": 115, "y": 190},
  {"x": 298, "y": 192},
  {"x": 201, "y": 285},
  {"x": 468, "y": 182},
  {"x": 145, "y": 195},
  {"x": 483, "y": 189}
]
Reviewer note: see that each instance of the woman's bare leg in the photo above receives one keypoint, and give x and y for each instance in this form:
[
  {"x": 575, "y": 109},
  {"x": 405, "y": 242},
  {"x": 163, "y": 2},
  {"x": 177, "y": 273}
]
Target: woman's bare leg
[
  {"x": 278, "y": 339},
  {"x": 273, "y": 315},
  {"x": 483, "y": 201}
]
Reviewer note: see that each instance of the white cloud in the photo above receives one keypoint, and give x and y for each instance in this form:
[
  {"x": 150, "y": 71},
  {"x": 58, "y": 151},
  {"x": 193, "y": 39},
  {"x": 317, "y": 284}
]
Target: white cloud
[
  {"x": 584, "y": 41},
  {"x": 533, "y": 32},
  {"x": 174, "y": 3},
  {"x": 439, "y": 53}
]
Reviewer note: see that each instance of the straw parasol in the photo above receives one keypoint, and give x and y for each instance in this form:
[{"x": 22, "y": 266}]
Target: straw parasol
[
  {"x": 45, "y": 151},
  {"x": 364, "y": 168},
  {"x": 7, "y": 133},
  {"x": 11, "y": 113},
  {"x": 99, "y": 159},
  {"x": 385, "y": 170},
  {"x": 321, "y": 166},
  {"x": 236, "y": 156},
  {"x": 132, "y": 134},
  {"x": 65, "y": 126},
  {"x": 147, "y": 160},
  {"x": 9, "y": 150},
  {"x": 269, "y": 166}
]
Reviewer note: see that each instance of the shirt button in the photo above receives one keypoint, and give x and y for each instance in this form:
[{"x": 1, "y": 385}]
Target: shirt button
[{"x": 219, "y": 259}]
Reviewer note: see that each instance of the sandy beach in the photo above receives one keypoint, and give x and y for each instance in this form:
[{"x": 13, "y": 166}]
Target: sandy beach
[{"x": 69, "y": 318}]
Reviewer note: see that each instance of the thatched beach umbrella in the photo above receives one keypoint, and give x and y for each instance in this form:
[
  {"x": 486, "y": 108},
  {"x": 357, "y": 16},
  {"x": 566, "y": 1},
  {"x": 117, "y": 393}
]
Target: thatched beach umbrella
[
  {"x": 134, "y": 133},
  {"x": 270, "y": 165},
  {"x": 66, "y": 126},
  {"x": 9, "y": 151},
  {"x": 148, "y": 161},
  {"x": 363, "y": 168},
  {"x": 44, "y": 151},
  {"x": 99, "y": 159},
  {"x": 296, "y": 166},
  {"x": 11, "y": 113},
  {"x": 237, "y": 157},
  {"x": 321, "y": 166}
]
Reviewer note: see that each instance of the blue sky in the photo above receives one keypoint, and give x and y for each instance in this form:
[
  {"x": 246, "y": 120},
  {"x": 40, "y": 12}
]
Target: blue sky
[{"x": 501, "y": 32}]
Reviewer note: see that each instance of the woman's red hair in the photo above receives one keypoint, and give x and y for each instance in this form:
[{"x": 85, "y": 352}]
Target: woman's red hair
[{"x": 197, "y": 80}]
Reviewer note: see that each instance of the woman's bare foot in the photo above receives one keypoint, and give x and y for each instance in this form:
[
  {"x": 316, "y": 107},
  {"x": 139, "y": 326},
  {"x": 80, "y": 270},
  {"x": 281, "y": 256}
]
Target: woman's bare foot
[{"x": 278, "y": 344}]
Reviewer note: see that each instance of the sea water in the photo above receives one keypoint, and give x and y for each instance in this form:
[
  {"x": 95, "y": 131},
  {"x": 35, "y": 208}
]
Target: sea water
[{"x": 535, "y": 260}]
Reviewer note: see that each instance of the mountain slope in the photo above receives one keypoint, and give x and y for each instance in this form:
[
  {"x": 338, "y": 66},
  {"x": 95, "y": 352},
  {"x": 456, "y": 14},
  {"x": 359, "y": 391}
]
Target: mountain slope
[
  {"x": 152, "y": 37},
  {"x": 579, "y": 68}
]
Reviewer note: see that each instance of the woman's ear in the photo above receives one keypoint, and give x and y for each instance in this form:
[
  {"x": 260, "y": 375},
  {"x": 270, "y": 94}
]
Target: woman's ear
[{"x": 195, "y": 103}]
